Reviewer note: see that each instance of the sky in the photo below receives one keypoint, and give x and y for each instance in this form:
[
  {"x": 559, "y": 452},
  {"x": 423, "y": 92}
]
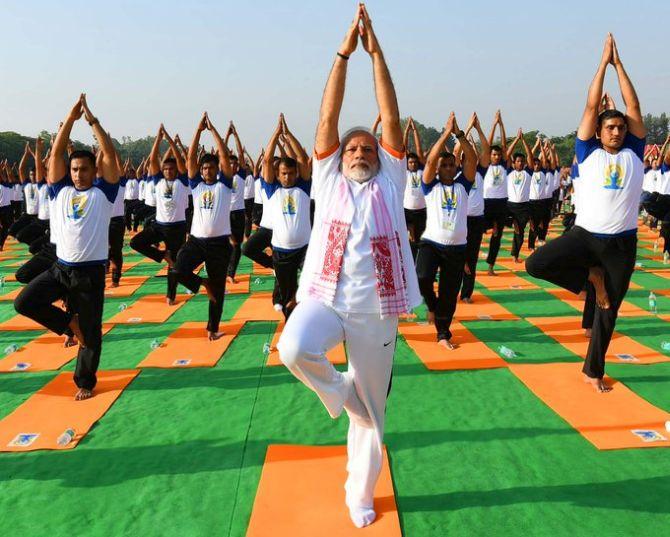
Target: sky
[{"x": 142, "y": 63}]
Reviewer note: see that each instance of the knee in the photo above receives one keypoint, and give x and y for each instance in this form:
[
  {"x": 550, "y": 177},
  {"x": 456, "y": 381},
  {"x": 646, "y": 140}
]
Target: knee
[
  {"x": 22, "y": 276},
  {"x": 21, "y": 304},
  {"x": 291, "y": 351}
]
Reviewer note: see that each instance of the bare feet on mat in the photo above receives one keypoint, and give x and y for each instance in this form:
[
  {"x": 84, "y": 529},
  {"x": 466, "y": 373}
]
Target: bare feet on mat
[
  {"x": 467, "y": 300},
  {"x": 446, "y": 344},
  {"x": 168, "y": 259},
  {"x": 170, "y": 301},
  {"x": 76, "y": 330},
  {"x": 430, "y": 317},
  {"x": 597, "y": 278},
  {"x": 70, "y": 341},
  {"x": 114, "y": 284},
  {"x": 82, "y": 394},
  {"x": 599, "y": 384},
  {"x": 490, "y": 271},
  {"x": 213, "y": 336},
  {"x": 362, "y": 516},
  {"x": 209, "y": 288},
  {"x": 517, "y": 260},
  {"x": 231, "y": 279},
  {"x": 587, "y": 333}
]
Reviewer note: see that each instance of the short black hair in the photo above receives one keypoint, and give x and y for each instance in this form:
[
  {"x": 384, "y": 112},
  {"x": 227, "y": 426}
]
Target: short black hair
[
  {"x": 208, "y": 158},
  {"x": 170, "y": 160},
  {"x": 412, "y": 155},
  {"x": 610, "y": 114},
  {"x": 288, "y": 162},
  {"x": 446, "y": 154},
  {"x": 496, "y": 148},
  {"x": 518, "y": 155},
  {"x": 233, "y": 157},
  {"x": 83, "y": 154}
]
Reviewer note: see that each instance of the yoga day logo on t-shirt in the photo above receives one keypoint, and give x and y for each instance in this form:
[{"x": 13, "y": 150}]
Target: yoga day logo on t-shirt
[
  {"x": 234, "y": 189},
  {"x": 537, "y": 177},
  {"x": 614, "y": 174},
  {"x": 449, "y": 200},
  {"x": 77, "y": 206},
  {"x": 207, "y": 200},
  {"x": 289, "y": 205},
  {"x": 416, "y": 182},
  {"x": 518, "y": 178},
  {"x": 169, "y": 189},
  {"x": 497, "y": 176}
]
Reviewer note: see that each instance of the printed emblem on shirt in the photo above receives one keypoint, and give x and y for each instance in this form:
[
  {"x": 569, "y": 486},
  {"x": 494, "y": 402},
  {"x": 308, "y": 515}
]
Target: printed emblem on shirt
[
  {"x": 207, "y": 200},
  {"x": 288, "y": 205},
  {"x": 416, "y": 181},
  {"x": 234, "y": 189},
  {"x": 169, "y": 190},
  {"x": 614, "y": 174},
  {"x": 537, "y": 177},
  {"x": 497, "y": 176},
  {"x": 77, "y": 206},
  {"x": 518, "y": 178},
  {"x": 449, "y": 200}
]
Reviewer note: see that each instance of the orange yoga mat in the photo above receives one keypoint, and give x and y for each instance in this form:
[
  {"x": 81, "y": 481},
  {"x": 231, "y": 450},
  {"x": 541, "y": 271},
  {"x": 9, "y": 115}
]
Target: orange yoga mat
[
  {"x": 164, "y": 270},
  {"x": 11, "y": 295},
  {"x": 44, "y": 353},
  {"x": 336, "y": 355},
  {"x": 482, "y": 308},
  {"x": 470, "y": 353},
  {"x": 148, "y": 309},
  {"x": 618, "y": 419},
  {"x": 19, "y": 322},
  {"x": 301, "y": 494},
  {"x": 240, "y": 287},
  {"x": 503, "y": 281},
  {"x": 258, "y": 270},
  {"x": 42, "y": 418},
  {"x": 568, "y": 332},
  {"x": 258, "y": 307},
  {"x": 127, "y": 286},
  {"x": 188, "y": 346},
  {"x": 627, "y": 309},
  {"x": 509, "y": 264}
]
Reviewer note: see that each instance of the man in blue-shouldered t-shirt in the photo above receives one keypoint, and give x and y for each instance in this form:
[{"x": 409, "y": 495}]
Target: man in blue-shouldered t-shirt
[{"x": 602, "y": 245}]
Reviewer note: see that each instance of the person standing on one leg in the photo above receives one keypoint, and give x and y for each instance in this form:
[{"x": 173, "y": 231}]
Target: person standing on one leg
[
  {"x": 289, "y": 209},
  {"x": 358, "y": 275},
  {"x": 209, "y": 239},
  {"x": 601, "y": 247},
  {"x": 444, "y": 242},
  {"x": 82, "y": 208},
  {"x": 237, "y": 210},
  {"x": 518, "y": 192},
  {"x": 414, "y": 203},
  {"x": 495, "y": 192}
]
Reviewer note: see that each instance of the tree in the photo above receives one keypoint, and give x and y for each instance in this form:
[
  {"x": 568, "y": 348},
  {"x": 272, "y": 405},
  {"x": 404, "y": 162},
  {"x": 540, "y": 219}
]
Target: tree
[{"x": 657, "y": 128}]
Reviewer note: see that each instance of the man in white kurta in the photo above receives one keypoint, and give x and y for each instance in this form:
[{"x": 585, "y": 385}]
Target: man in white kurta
[{"x": 358, "y": 274}]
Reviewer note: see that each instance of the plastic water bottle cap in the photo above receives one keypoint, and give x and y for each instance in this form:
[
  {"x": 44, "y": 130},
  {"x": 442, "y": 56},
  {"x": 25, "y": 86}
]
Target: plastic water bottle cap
[{"x": 667, "y": 426}]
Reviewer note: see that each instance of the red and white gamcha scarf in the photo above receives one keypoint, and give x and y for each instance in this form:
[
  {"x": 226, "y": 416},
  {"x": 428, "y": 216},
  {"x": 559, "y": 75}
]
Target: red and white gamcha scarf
[{"x": 386, "y": 250}]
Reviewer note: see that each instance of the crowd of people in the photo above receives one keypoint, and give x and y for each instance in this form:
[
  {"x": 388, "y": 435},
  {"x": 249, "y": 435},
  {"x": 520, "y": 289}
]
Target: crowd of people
[{"x": 358, "y": 233}]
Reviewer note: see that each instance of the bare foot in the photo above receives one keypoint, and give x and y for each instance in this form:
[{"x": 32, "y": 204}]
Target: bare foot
[
  {"x": 170, "y": 301},
  {"x": 587, "y": 333},
  {"x": 467, "y": 300},
  {"x": 76, "y": 330},
  {"x": 168, "y": 259},
  {"x": 517, "y": 260},
  {"x": 231, "y": 279},
  {"x": 82, "y": 394},
  {"x": 213, "y": 336},
  {"x": 598, "y": 384},
  {"x": 114, "y": 284},
  {"x": 446, "y": 344},
  {"x": 597, "y": 278},
  {"x": 582, "y": 295},
  {"x": 491, "y": 272},
  {"x": 430, "y": 317},
  {"x": 70, "y": 341}
]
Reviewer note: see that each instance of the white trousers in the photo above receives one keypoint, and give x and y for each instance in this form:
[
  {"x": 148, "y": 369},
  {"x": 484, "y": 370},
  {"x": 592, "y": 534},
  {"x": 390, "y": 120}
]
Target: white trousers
[{"x": 312, "y": 330}]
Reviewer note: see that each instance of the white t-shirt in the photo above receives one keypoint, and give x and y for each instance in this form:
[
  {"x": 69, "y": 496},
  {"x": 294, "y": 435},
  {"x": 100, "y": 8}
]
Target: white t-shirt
[
  {"x": 32, "y": 202},
  {"x": 413, "y": 192},
  {"x": 357, "y": 285},
  {"x": 142, "y": 189},
  {"x": 43, "y": 205},
  {"x": 249, "y": 187},
  {"x": 18, "y": 192},
  {"x": 132, "y": 189},
  {"x": 447, "y": 212},
  {"x": 237, "y": 192},
  {"x": 663, "y": 180},
  {"x": 495, "y": 181},
  {"x": 150, "y": 193},
  {"x": 119, "y": 207},
  {"x": 6, "y": 194},
  {"x": 171, "y": 198},
  {"x": 610, "y": 184},
  {"x": 518, "y": 185},
  {"x": 476, "y": 196},
  {"x": 211, "y": 207},
  {"x": 651, "y": 180},
  {"x": 538, "y": 184},
  {"x": 288, "y": 210},
  {"x": 82, "y": 221},
  {"x": 266, "y": 221}
]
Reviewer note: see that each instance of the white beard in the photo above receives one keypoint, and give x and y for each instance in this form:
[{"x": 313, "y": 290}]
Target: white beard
[{"x": 361, "y": 174}]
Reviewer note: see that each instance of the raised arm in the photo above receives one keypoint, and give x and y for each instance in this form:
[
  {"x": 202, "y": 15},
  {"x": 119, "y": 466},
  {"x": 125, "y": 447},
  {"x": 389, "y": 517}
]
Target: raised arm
[
  {"x": 492, "y": 135},
  {"x": 300, "y": 154},
  {"x": 375, "y": 125},
  {"x": 181, "y": 164},
  {"x": 417, "y": 143},
  {"x": 327, "y": 135},
  {"x": 469, "y": 160},
  {"x": 225, "y": 165},
  {"x": 182, "y": 150},
  {"x": 108, "y": 169},
  {"x": 485, "y": 146},
  {"x": 529, "y": 153},
  {"x": 633, "y": 112},
  {"x": 510, "y": 151},
  {"x": 193, "y": 149},
  {"x": 57, "y": 164},
  {"x": 587, "y": 126},
  {"x": 662, "y": 151},
  {"x": 384, "y": 89},
  {"x": 268, "y": 173},
  {"x": 23, "y": 163},
  {"x": 40, "y": 171},
  {"x": 154, "y": 156},
  {"x": 503, "y": 134},
  {"x": 430, "y": 170}
]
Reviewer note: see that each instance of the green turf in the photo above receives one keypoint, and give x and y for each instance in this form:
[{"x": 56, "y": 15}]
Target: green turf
[{"x": 471, "y": 452}]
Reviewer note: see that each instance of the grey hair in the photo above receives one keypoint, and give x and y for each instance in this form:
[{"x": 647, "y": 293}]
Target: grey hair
[{"x": 350, "y": 133}]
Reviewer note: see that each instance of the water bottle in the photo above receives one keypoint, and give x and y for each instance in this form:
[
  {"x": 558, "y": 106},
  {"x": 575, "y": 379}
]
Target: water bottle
[
  {"x": 656, "y": 246},
  {"x": 65, "y": 438},
  {"x": 9, "y": 349},
  {"x": 666, "y": 258},
  {"x": 665, "y": 345},
  {"x": 155, "y": 344},
  {"x": 257, "y": 281},
  {"x": 2, "y": 282},
  {"x": 266, "y": 348},
  {"x": 506, "y": 352},
  {"x": 123, "y": 306},
  {"x": 652, "y": 302}
]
